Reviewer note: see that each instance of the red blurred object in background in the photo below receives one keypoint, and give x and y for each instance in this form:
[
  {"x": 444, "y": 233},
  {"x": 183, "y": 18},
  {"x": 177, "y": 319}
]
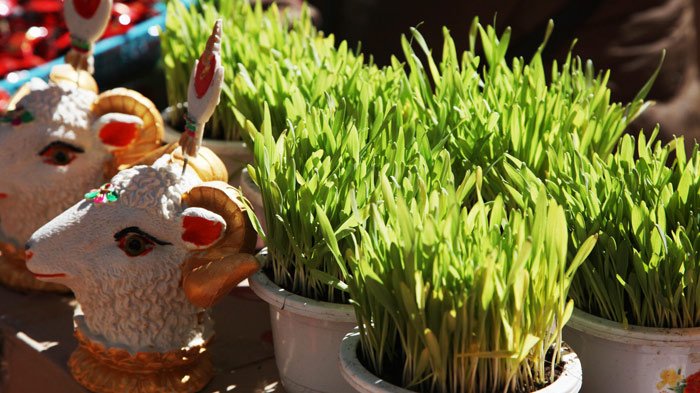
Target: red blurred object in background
[
  {"x": 6, "y": 6},
  {"x": 4, "y": 100},
  {"x": 44, "y": 6},
  {"x": 33, "y": 32}
]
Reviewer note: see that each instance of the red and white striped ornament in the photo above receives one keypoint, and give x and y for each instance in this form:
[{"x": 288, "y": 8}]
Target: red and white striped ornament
[
  {"x": 86, "y": 21},
  {"x": 203, "y": 94}
]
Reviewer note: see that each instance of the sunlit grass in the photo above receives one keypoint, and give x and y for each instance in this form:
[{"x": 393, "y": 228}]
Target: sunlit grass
[{"x": 457, "y": 299}]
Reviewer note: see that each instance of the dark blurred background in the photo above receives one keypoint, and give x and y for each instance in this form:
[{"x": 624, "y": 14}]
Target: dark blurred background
[{"x": 626, "y": 36}]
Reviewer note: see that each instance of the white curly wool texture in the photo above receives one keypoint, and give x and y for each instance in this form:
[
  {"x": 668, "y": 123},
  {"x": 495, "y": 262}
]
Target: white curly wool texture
[
  {"x": 144, "y": 313},
  {"x": 148, "y": 313},
  {"x": 155, "y": 189},
  {"x": 52, "y": 103},
  {"x": 38, "y": 191},
  {"x": 132, "y": 303}
]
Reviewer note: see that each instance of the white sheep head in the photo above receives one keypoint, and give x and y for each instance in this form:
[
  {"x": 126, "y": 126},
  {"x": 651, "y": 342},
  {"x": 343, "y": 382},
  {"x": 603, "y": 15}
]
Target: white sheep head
[
  {"x": 61, "y": 139},
  {"x": 148, "y": 252}
]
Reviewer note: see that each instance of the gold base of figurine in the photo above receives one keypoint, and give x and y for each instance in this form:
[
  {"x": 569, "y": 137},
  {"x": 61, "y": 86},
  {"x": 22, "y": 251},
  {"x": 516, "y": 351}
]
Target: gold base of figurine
[
  {"x": 113, "y": 370},
  {"x": 14, "y": 274}
]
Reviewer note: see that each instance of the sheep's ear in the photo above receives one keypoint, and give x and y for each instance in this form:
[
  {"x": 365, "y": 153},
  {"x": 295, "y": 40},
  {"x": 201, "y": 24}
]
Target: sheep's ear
[
  {"x": 210, "y": 275},
  {"x": 201, "y": 228},
  {"x": 117, "y": 130}
]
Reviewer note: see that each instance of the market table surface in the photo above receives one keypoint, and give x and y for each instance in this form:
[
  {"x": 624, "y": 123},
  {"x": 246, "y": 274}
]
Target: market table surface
[{"x": 37, "y": 339}]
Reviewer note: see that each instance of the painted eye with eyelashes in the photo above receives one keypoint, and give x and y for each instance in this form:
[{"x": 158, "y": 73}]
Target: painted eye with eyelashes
[
  {"x": 59, "y": 153},
  {"x": 135, "y": 242}
]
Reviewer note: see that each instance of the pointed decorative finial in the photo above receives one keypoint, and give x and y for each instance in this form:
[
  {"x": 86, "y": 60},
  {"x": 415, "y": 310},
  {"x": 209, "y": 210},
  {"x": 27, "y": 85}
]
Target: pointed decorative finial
[
  {"x": 86, "y": 21},
  {"x": 202, "y": 94}
]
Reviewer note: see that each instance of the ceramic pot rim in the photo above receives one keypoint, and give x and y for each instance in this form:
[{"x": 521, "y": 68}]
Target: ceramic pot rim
[
  {"x": 282, "y": 299},
  {"x": 637, "y": 335},
  {"x": 359, "y": 377},
  {"x": 355, "y": 373}
]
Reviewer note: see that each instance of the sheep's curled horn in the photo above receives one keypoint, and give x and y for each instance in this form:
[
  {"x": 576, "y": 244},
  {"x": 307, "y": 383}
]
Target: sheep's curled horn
[
  {"x": 210, "y": 274},
  {"x": 130, "y": 102}
]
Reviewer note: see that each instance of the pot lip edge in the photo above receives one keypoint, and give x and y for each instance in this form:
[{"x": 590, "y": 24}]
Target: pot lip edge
[
  {"x": 355, "y": 373},
  {"x": 283, "y": 299},
  {"x": 604, "y": 328},
  {"x": 570, "y": 377}
]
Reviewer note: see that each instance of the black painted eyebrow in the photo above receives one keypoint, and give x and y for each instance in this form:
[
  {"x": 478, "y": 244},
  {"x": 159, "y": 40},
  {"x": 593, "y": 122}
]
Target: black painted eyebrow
[
  {"x": 137, "y": 230},
  {"x": 62, "y": 144}
]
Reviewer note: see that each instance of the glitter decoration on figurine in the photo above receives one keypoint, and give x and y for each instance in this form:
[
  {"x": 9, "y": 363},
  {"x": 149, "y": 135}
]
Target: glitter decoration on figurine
[
  {"x": 86, "y": 21},
  {"x": 146, "y": 254},
  {"x": 203, "y": 93},
  {"x": 104, "y": 194},
  {"x": 60, "y": 139}
]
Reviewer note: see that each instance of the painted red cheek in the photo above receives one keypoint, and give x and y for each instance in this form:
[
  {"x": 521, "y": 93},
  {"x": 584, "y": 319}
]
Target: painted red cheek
[
  {"x": 205, "y": 74},
  {"x": 200, "y": 231},
  {"x": 86, "y": 8},
  {"x": 3, "y": 195},
  {"x": 118, "y": 134}
]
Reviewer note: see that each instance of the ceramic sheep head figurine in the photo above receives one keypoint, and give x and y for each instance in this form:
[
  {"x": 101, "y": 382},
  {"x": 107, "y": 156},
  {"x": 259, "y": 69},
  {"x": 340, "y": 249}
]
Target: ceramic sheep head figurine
[
  {"x": 145, "y": 255},
  {"x": 60, "y": 139}
]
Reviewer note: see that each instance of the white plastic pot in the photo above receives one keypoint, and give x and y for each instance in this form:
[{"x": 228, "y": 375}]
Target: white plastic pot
[
  {"x": 234, "y": 154},
  {"x": 364, "y": 381},
  {"x": 251, "y": 191},
  {"x": 307, "y": 335},
  {"x": 636, "y": 359}
]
